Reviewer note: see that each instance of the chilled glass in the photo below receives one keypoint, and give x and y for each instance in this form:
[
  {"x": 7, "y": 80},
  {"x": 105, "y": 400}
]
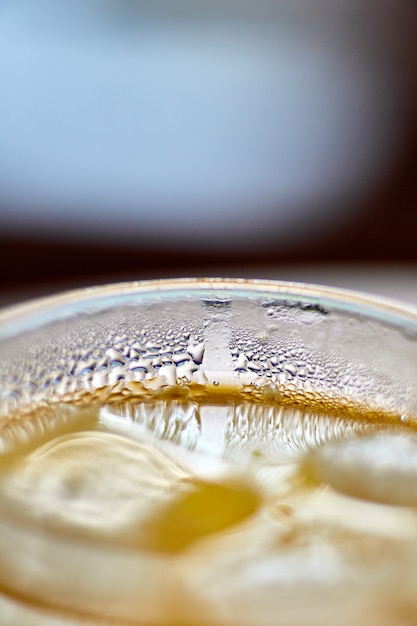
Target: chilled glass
[{"x": 208, "y": 452}]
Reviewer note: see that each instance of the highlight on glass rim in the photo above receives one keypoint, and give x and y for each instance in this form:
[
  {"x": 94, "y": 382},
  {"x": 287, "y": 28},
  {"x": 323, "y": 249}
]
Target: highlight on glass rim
[{"x": 208, "y": 452}]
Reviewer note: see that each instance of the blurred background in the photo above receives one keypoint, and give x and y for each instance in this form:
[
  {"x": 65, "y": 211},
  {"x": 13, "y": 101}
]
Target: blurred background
[{"x": 158, "y": 138}]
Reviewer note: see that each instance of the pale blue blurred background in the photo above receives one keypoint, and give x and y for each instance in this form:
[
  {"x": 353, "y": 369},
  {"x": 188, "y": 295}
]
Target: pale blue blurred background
[{"x": 203, "y": 124}]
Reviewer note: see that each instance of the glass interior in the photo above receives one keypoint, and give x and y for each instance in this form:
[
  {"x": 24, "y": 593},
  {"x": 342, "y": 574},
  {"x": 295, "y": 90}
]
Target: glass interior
[{"x": 294, "y": 339}]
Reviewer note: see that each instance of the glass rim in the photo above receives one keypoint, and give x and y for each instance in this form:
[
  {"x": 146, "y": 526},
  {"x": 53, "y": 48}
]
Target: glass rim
[{"x": 33, "y": 313}]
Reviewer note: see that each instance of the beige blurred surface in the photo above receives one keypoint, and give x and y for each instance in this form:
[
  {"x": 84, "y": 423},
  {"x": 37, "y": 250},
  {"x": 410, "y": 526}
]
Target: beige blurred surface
[{"x": 392, "y": 281}]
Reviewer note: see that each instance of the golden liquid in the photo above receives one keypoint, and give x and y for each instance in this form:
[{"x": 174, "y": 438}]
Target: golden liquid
[{"x": 238, "y": 511}]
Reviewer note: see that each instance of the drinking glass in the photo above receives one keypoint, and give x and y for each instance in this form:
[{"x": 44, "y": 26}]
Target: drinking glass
[{"x": 229, "y": 377}]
